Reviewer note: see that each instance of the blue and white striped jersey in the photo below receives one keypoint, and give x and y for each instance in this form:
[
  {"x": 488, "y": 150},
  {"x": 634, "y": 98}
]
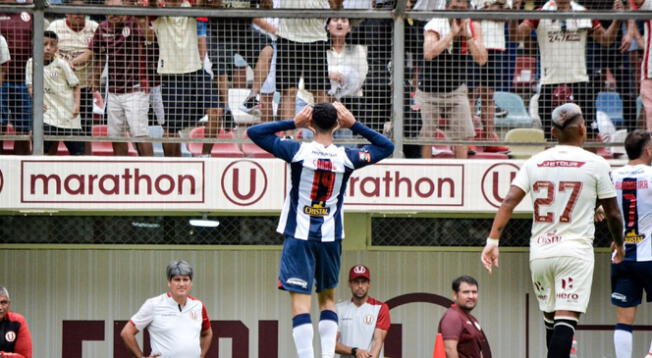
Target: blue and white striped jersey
[
  {"x": 634, "y": 187},
  {"x": 318, "y": 178}
]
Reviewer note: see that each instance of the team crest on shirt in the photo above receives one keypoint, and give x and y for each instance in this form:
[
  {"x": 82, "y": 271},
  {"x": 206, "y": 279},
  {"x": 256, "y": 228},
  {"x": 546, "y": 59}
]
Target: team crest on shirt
[
  {"x": 194, "y": 316},
  {"x": 10, "y": 336},
  {"x": 126, "y": 31},
  {"x": 364, "y": 156},
  {"x": 25, "y": 17},
  {"x": 368, "y": 319},
  {"x": 317, "y": 209}
]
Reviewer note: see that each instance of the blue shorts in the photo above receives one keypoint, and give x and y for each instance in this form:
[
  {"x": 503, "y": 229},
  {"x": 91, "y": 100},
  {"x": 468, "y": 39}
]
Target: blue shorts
[
  {"x": 308, "y": 262},
  {"x": 628, "y": 280},
  {"x": 16, "y": 106}
]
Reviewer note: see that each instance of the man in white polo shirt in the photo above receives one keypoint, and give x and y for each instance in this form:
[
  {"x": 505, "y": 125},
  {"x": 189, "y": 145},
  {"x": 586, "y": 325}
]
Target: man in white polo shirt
[
  {"x": 177, "y": 323},
  {"x": 364, "y": 321}
]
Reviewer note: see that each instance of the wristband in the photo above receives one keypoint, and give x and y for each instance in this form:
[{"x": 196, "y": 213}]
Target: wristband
[
  {"x": 491, "y": 241},
  {"x": 354, "y": 351}
]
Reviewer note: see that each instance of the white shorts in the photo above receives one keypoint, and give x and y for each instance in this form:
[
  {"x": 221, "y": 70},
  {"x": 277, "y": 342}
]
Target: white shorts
[
  {"x": 562, "y": 283},
  {"x": 156, "y": 98},
  {"x": 128, "y": 113}
]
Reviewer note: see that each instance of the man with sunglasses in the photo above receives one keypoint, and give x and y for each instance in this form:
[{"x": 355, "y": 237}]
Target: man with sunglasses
[
  {"x": 15, "y": 338},
  {"x": 562, "y": 45}
]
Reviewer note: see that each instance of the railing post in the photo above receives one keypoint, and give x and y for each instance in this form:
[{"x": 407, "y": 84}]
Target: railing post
[
  {"x": 398, "y": 74},
  {"x": 37, "y": 72}
]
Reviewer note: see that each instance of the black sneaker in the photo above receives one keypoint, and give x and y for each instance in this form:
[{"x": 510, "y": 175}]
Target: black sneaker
[
  {"x": 228, "y": 119},
  {"x": 251, "y": 105}
]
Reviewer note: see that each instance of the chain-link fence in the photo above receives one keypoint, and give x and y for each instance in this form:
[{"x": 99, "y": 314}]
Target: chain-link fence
[{"x": 125, "y": 77}]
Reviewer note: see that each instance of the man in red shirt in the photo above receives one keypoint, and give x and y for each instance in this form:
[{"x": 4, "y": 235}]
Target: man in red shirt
[
  {"x": 15, "y": 339},
  {"x": 463, "y": 337}
]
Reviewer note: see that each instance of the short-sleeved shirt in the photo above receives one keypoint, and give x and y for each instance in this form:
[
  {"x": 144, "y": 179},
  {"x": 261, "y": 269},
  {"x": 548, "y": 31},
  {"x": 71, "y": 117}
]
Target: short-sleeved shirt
[
  {"x": 5, "y": 56},
  {"x": 564, "y": 183},
  {"x": 566, "y": 37},
  {"x": 634, "y": 187},
  {"x": 357, "y": 324},
  {"x": 303, "y": 30},
  {"x": 59, "y": 82},
  {"x": 465, "y": 329},
  {"x": 15, "y": 336},
  {"x": 177, "y": 42},
  {"x": 17, "y": 30},
  {"x": 174, "y": 330},
  {"x": 73, "y": 43},
  {"x": 123, "y": 46},
  {"x": 646, "y": 64}
]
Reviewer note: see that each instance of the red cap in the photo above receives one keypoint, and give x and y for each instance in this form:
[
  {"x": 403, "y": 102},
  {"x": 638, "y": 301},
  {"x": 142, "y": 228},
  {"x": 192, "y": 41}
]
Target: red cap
[{"x": 358, "y": 271}]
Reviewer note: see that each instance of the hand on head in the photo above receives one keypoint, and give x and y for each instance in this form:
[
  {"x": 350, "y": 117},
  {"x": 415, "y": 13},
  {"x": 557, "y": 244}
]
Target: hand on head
[
  {"x": 344, "y": 117},
  {"x": 304, "y": 118}
]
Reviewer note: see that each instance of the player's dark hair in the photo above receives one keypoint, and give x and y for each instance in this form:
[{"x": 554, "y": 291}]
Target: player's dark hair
[
  {"x": 324, "y": 116},
  {"x": 51, "y": 35},
  {"x": 458, "y": 281},
  {"x": 636, "y": 142},
  {"x": 179, "y": 267}
]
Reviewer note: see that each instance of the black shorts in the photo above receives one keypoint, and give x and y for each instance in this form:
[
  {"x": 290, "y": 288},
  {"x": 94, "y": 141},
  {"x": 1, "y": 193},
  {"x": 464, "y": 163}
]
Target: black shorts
[
  {"x": 628, "y": 280},
  {"x": 74, "y": 148},
  {"x": 86, "y": 110},
  {"x": 247, "y": 44},
  {"x": 186, "y": 98},
  {"x": 297, "y": 59},
  {"x": 491, "y": 74}
]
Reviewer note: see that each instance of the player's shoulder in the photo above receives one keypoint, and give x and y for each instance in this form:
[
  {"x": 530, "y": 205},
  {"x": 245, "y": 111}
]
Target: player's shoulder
[
  {"x": 15, "y": 317},
  {"x": 56, "y": 25},
  {"x": 374, "y": 302},
  {"x": 195, "y": 300}
]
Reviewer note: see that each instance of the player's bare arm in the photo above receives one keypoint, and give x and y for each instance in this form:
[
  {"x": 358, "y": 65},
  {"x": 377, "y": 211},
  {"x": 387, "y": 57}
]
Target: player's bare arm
[
  {"x": 450, "y": 345},
  {"x": 205, "y": 341},
  {"x": 377, "y": 342},
  {"x": 434, "y": 44},
  {"x": 490, "y": 252},
  {"x": 615, "y": 223}
]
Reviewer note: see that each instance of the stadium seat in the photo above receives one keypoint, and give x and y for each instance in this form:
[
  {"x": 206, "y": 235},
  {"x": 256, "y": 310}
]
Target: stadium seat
[
  {"x": 222, "y": 150},
  {"x": 8, "y": 145},
  {"x": 251, "y": 150},
  {"x": 157, "y": 132},
  {"x": 106, "y": 148},
  {"x": 441, "y": 151},
  {"x": 517, "y": 115},
  {"x": 611, "y": 104},
  {"x": 525, "y": 135},
  {"x": 62, "y": 149},
  {"x": 488, "y": 155},
  {"x": 525, "y": 72},
  {"x": 480, "y": 135}
]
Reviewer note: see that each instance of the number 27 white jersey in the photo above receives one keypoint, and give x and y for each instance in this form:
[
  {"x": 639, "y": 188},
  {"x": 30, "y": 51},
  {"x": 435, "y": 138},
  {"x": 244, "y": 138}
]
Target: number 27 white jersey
[{"x": 564, "y": 183}]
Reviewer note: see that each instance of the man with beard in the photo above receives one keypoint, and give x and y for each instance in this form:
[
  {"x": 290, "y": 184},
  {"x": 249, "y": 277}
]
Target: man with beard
[
  {"x": 462, "y": 334},
  {"x": 364, "y": 321}
]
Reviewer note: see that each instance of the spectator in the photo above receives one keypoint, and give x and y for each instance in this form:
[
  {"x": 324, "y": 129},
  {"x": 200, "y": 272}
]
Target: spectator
[
  {"x": 15, "y": 103},
  {"x": 75, "y": 33},
  {"x": 364, "y": 320},
  {"x": 562, "y": 45},
  {"x": 301, "y": 52},
  {"x": 61, "y": 99},
  {"x": 486, "y": 78},
  {"x": 461, "y": 338},
  {"x": 119, "y": 41},
  {"x": 443, "y": 90},
  {"x": 646, "y": 70},
  {"x": 187, "y": 90},
  {"x": 177, "y": 323},
  {"x": 16, "y": 338}
]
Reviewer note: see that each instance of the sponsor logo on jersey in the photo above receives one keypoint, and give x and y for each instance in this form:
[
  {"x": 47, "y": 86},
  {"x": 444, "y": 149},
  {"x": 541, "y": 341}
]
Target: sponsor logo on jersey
[
  {"x": 297, "y": 282},
  {"x": 560, "y": 163},
  {"x": 549, "y": 238},
  {"x": 10, "y": 336},
  {"x": 632, "y": 237},
  {"x": 631, "y": 185},
  {"x": 571, "y": 297},
  {"x": 317, "y": 210},
  {"x": 619, "y": 297}
]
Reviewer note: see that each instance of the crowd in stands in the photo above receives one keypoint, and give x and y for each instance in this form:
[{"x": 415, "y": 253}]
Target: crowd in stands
[{"x": 126, "y": 76}]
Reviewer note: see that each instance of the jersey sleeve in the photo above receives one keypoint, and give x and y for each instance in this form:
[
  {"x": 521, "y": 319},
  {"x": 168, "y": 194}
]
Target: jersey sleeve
[
  {"x": 605, "y": 187},
  {"x": 23, "y": 345},
  {"x": 71, "y": 77},
  {"x": 379, "y": 149},
  {"x": 450, "y": 326},
  {"x": 646, "y": 5},
  {"x": 5, "y": 56},
  {"x": 144, "y": 316},
  {"x": 28, "y": 73},
  {"x": 438, "y": 26},
  {"x": 205, "y": 321},
  {"x": 522, "y": 180},
  {"x": 264, "y": 136},
  {"x": 384, "y": 321}
]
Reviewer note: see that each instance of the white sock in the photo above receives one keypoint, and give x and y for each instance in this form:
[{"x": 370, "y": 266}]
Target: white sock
[
  {"x": 302, "y": 332},
  {"x": 623, "y": 340},
  {"x": 328, "y": 333}
]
